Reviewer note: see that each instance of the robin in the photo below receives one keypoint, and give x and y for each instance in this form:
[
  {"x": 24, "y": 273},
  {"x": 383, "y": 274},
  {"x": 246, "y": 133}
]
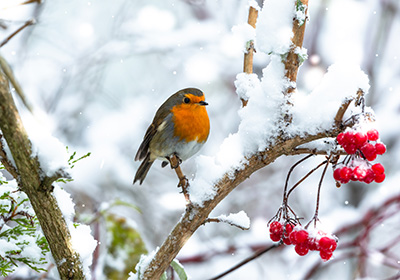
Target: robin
[{"x": 179, "y": 128}]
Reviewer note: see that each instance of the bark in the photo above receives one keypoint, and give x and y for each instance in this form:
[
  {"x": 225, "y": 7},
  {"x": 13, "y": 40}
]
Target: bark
[{"x": 36, "y": 185}]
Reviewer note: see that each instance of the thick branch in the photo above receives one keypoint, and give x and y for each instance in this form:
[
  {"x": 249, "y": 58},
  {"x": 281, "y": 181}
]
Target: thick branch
[
  {"x": 195, "y": 216},
  {"x": 32, "y": 182}
]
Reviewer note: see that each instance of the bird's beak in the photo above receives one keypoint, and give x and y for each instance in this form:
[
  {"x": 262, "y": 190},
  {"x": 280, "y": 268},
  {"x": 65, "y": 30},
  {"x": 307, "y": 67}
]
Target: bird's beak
[{"x": 203, "y": 103}]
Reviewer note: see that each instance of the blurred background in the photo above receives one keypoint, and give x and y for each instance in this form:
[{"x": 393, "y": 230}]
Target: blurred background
[{"x": 96, "y": 71}]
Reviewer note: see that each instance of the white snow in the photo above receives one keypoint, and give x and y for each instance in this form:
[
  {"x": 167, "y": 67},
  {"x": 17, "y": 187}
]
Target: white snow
[
  {"x": 274, "y": 26},
  {"x": 142, "y": 265},
  {"x": 244, "y": 82},
  {"x": 260, "y": 119},
  {"x": 316, "y": 111},
  {"x": 237, "y": 219},
  {"x": 26, "y": 244},
  {"x": 81, "y": 239},
  {"x": 52, "y": 154}
]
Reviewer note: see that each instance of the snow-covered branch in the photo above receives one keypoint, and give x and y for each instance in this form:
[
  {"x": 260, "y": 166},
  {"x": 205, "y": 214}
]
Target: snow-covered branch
[
  {"x": 30, "y": 178},
  {"x": 274, "y": 122}
]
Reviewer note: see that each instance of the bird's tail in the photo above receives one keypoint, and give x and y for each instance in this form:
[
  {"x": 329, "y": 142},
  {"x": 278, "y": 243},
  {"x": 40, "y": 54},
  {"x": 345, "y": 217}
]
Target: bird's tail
[{"x": 143, "y": 169}]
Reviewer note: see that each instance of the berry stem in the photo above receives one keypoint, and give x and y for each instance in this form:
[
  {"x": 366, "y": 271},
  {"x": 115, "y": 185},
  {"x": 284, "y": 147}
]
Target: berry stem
[
  {"x": 249, "y": 259},
  {"x": 305, "y": 177},
  {"x": 315, "y": 218},
  {"x": 288, "y": 176}
]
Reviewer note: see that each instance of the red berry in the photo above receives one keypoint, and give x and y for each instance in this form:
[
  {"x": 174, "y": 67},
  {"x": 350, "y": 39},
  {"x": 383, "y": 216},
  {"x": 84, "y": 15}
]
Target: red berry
[
  {"x": 373, "y": 135},
  {"x": 293, "y": 237},
  {"x": 378, "y": 168},
  {"x": 379, "y": 178},
  {"x": 325, "y": 255},
  {"x": 336, "y": 174},
  {"x": 301, "y": 236},
  {"x": 312, "y": 244},
  {"x": 360, "y": 138},
  {"x": 301, "y": 249},
  {"x": 286, "y": 241},
  {"x": 368, "y": 151},
  {"x": 369, "y": 177},
  {"x": 359, "y": 173},
  {"x": 276, "y": 227},
  {"x": 327, "y": 244},
  {"x": 350, "y": 148},
  {"x": 340, "y": 138},
  {"x": 345, "y": 174},
  {"x": 288, "y": 229},
  {"x": 275, "y": 237},
  {"x": 380, "y": 148},
  {"x": 349, "y": 137}
]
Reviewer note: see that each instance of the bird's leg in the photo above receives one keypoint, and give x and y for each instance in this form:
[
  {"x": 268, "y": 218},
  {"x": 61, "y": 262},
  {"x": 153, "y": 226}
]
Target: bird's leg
[{"x": 175, "y": 162}]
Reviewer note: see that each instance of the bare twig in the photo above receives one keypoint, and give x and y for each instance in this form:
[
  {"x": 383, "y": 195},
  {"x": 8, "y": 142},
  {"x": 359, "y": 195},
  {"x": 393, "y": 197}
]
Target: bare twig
[
  {"x": 217, "y": 220},
  {"x": 183, "y": 181},
  {"x": 290, "y": 172},
  {"x": 301, "y": 151},
  {"x": 305, "y": 177},
  {"x": 18, "y": 89},
  {"x": 315, "y": 218},
  {"x": 248, "y": 57},
  {"x": 5, "y": 41},
  {"x": 247, "y": 260}
]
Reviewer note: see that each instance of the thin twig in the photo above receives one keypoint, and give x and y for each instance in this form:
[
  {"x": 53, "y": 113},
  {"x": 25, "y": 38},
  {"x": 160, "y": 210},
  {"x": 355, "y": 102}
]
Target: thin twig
[
  {"x": 248, "y": 56},
  {"x": 305, "y": 177},
  {"x": 315, "y": 218},
  {"x": 18, "y": 89},
  {"x": 183, "y": 181},
  {"x": 218, "y": 220},
  {"x": 301, "y": 151},
  {"x": 290, "y": 172},
  {"x": 245, "y": 261},
  {"x": 29, "y": 22},
  {"x": 345, "y": 105}
]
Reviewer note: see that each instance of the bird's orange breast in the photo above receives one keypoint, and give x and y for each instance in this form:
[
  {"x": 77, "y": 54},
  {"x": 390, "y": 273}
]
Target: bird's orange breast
[{"x": 191, "y": 122}]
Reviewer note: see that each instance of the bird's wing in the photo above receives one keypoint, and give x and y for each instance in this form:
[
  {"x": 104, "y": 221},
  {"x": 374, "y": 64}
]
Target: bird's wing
[{"x": 144, "y": 147}]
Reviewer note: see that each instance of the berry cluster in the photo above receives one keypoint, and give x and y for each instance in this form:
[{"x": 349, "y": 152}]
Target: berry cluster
[
  {"x": 303, "y": 240},
  {"x": 354, "y": 141},
  {"x": 362, "y": 172},
  {"x": 363, "y": 147}
]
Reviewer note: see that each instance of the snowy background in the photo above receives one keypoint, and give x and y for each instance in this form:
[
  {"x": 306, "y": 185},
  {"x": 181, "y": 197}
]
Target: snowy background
[{"x": 96, "y": 72}]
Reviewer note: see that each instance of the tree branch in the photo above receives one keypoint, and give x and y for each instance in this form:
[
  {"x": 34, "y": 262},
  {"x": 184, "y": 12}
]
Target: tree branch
[
  {"x": 36, "y": 186},
  {"x": 196, "y": 215},
  {"x": 292, "y": 63},
  {"x": 248, "y": 57},
  {"x": 18, "y": 89},
  {"x": 5, "y": 41}
]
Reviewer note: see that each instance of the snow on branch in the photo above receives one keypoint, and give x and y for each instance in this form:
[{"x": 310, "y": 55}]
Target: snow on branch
[
  {"x": 264, "y": 133},
  {"x": 240, "y": 220}
]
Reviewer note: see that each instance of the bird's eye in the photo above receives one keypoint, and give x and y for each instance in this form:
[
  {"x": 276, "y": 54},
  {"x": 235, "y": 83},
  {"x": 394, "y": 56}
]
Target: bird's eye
[{"x": 186, "y": 100}]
